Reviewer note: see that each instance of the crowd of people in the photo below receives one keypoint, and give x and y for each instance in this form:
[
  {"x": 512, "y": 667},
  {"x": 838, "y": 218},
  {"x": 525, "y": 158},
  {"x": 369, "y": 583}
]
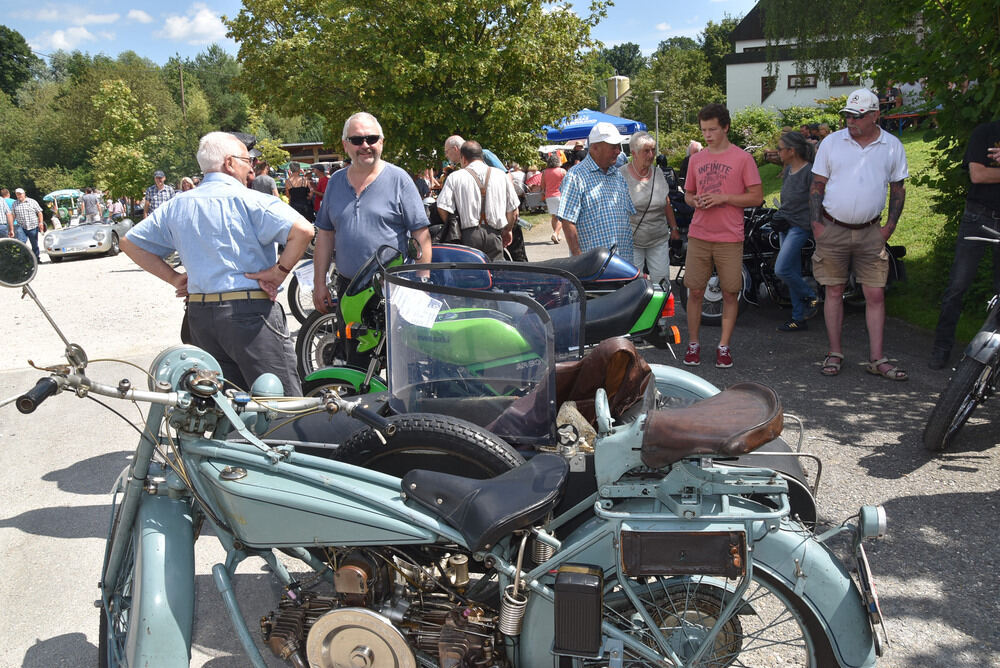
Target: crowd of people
[{"x": 834, "y": 188}]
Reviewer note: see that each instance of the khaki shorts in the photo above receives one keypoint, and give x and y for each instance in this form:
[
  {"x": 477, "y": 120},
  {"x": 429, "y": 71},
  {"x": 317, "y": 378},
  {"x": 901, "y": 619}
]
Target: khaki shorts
[
  {"x": 725, "y": 256},
  {"x": 839, "y": 249}
]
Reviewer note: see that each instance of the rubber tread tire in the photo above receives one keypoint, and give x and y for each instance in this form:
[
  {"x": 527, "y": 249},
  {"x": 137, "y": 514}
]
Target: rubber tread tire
[
  {"x": 305, "y": 365},
  {"x": 961, "y": 385},
  {"x": 469, "y": 450},
  {"x": 293, "y": 302}
]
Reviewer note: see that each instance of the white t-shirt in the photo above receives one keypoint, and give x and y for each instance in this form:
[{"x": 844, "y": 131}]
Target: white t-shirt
[
  {"x": 460, "y": 193},
  {"x": 858, "y": 177}
]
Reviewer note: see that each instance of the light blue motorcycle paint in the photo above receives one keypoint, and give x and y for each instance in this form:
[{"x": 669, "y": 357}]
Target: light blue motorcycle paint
[
  {"x": 673, "y": 382},
  {"x": 163, "y": 590},
  {"x": 353, "y": 376}
]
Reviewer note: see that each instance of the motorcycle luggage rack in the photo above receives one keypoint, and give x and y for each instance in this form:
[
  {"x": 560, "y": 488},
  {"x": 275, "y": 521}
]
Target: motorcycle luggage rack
[{"x": 721, "y": 553}]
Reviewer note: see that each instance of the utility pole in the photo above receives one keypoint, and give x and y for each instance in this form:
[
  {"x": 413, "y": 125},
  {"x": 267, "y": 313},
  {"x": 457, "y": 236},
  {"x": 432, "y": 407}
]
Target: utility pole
[{"x": 180, "y": 66}]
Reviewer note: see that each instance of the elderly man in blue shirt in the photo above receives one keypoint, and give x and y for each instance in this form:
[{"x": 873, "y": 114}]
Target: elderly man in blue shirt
[
  {"x": 595, "y": 204},
  {"x": 226, "y": 235}
]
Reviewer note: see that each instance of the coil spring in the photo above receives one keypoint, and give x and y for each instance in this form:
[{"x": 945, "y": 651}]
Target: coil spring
[
  {"x": 541, "y": 552},
  {"x": 512, "y": 608}
]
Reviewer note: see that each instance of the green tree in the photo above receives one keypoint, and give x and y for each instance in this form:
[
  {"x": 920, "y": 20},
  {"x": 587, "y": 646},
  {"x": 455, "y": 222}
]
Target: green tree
[
  {"x": 492, "y": 70},
  {"x": 120, "y": 159},
  {"x": 716, "y": 46},
  {"x": 626, "y": 59},
  {"x": 684, "y": 77},
  {"x": 16, "y": 62},
  {"x": 684, "y": 43},
  {"x": 13, "y": 156}
]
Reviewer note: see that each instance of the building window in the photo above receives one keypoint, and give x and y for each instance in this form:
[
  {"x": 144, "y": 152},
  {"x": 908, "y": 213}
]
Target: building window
[
  {"x": 767, "y": 86},
  {"x": 845, "y": 79},
  {"x": 801, "y": 81}
]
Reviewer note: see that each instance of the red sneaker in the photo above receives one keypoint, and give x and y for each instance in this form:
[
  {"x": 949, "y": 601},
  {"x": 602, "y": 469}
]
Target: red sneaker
[
  {"x": 693, "y": 355},
  {"x": 723, "y": 358}
]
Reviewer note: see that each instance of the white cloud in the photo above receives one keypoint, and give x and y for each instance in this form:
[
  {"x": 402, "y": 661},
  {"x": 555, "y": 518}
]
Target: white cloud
[
  {"x": 72, "y": 15},
  {"x": 88, "y": 19},
  {"x": 67, "y": 39},
  {"x": 200, "y": 25},
  {"x": 663, "y": 27},
  {"x": 139, "y": 16}
]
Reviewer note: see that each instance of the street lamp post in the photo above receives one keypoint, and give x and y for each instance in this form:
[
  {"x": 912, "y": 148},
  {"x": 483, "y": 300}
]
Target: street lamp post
[{"x": 656, "y": 101}]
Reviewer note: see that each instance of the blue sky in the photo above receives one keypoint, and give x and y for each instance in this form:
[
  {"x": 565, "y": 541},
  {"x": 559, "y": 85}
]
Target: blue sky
[{"x": 158, "y": 30}]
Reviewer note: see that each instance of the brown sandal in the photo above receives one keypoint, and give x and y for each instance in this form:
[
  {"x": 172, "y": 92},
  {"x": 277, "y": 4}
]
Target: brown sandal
[
  {"x": 831, "y": 364},
  {"x": 892, "y": 373}
]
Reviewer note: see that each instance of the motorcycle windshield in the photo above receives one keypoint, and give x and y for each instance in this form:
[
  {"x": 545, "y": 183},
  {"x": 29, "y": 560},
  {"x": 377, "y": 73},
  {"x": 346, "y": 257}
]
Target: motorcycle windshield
[{"x": 480, "y": 342}]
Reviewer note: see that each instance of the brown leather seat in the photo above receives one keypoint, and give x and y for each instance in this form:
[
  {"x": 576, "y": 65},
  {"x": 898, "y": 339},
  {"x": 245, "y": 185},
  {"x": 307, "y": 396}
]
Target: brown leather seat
[{"x": 734, "y": 422}]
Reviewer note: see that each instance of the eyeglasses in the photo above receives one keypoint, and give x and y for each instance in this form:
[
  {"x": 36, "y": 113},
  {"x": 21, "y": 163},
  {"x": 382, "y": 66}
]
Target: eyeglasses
[
  {"x": 248, "y": 160},
  {"x": 855, "y": 116},
  {"x": 370, "y": 139}
]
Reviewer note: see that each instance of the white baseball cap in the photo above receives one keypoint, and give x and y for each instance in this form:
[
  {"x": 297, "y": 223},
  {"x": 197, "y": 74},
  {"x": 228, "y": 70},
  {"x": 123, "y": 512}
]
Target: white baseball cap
[
  {"x": 860, "y": 101},
  {"x": 605, "y": 132},
  {"x": 19, "y": 190}
]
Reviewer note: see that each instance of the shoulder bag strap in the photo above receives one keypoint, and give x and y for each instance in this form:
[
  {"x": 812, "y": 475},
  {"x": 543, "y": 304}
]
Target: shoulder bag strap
[{"x": 652, "y": 187}]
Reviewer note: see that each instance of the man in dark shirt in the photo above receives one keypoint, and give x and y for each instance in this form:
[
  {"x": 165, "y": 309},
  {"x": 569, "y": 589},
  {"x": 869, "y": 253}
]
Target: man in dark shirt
[{"x": 982, "y": 207}]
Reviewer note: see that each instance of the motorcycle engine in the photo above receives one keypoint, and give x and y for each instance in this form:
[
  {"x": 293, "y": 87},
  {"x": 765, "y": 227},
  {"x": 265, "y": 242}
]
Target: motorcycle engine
[{"x": 387, "y": 602}]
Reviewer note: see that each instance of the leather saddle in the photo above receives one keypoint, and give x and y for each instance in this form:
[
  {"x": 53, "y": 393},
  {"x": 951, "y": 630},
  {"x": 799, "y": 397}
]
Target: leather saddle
[{"x": 736, "y": 421}]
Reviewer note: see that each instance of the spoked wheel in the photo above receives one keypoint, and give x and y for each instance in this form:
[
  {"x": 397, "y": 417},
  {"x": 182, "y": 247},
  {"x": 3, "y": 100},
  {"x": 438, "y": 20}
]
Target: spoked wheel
[
  {"x": 115, "y": 245},
  {"x": 317, "y": 344},
  {"x": 769, "y": 627},
  {"x": 114, "y": 622},
  {"x": 711, "y": 306},
  {"x": 300, "y": 300},
  {"x": 966, "y": 390},
  {"x": 313, "y": 388}
]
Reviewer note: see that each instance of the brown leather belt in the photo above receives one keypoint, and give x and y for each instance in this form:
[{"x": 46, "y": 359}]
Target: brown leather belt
[
  {"x": 216, "y": 297},
  {"x": 850, "y": 226}
]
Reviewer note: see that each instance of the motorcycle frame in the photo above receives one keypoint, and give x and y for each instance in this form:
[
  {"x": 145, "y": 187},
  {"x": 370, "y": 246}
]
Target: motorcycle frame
[
  {"x": 985, "y": 345},
  {"x": 162, "y": 510}
]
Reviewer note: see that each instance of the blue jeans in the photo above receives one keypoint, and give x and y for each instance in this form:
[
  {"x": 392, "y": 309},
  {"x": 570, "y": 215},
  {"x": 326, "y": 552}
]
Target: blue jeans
[
  {"x": 788, "y": 267},
  {"x": 28, "y": 236},
  {"x": 963, "y": 272}
]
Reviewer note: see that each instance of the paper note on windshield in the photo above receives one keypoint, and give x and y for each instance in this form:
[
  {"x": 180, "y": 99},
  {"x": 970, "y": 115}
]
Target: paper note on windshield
[{"x": 415, "y": 306}]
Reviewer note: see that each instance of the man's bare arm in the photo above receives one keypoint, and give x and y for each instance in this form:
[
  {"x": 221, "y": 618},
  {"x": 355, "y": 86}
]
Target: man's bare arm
[{"x": 816, "y": 192}]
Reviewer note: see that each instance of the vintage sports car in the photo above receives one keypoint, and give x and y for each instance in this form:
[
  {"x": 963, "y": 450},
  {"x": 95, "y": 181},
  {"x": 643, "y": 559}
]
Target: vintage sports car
[{"x": 86, "y": 239}]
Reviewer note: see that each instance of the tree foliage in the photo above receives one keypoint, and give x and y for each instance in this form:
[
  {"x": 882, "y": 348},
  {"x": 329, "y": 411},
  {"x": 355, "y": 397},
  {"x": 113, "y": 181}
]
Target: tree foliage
[
  {"x": 716, "y": 46},
  {"x": 626, "y": 59},
  {"x": 685, "y": 79},
  {"x": 120, "y": 159},
  {"x": 490, "y": 70},
  {"x": 16, "y": 62}
]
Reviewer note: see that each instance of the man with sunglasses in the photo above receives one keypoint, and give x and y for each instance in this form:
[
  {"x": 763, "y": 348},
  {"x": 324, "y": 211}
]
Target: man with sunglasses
[
  {"x": 851, "y": 172},
  {"x": 225, "y": 234},
  {"x": 369, "y": 204}
]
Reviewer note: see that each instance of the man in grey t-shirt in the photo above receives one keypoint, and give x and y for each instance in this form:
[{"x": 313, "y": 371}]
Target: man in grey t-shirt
[
  {"x": 262, "y": 182},
  {"x": 90, "y": 205}
]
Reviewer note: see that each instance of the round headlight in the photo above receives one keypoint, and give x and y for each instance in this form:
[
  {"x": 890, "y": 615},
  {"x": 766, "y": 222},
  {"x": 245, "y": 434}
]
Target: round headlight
[
  {"x": 99, "y": 236},
  {"x": 49, "y": 241}
]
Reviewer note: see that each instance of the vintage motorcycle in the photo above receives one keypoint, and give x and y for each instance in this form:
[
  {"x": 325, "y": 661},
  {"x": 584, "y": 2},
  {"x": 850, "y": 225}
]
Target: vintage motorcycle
[
  {"x": 760, "y": 252},
  {"x": 678, "y": 559},
  {"x": 975, "y": 377}
]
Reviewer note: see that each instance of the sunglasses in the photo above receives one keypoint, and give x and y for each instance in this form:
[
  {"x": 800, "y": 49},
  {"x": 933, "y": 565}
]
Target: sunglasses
[
  {"x": 851, "y": 114},
  {"x": 371, "y": 140}
]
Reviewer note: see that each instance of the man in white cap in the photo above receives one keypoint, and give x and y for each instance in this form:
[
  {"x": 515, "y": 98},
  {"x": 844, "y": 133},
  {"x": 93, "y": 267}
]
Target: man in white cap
[
  {"x": 595, "y": 204},
  {"x": 157, "y": 194},
  {"x": 852, "y": 169}
]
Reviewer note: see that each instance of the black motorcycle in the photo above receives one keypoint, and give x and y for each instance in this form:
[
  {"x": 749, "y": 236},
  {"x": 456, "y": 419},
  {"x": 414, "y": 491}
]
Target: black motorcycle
[{"x": 974, "y": 380}]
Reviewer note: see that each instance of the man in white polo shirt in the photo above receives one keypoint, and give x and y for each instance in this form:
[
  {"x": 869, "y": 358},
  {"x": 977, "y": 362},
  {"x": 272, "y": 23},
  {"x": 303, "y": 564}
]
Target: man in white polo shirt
[{"x": 852, "y": 169}]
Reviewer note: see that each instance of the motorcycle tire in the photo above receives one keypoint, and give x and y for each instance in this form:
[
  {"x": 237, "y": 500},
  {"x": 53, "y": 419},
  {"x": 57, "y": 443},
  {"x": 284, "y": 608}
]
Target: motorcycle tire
[
  {"x": 779, "y": 623},
  {"x": 111, "y": 642},
  {"x": 433, "y": 443},
  {"x": 317, "y": 344},
  {"x": 965, "y": 391},
  {"x": 300, "y": 302}
]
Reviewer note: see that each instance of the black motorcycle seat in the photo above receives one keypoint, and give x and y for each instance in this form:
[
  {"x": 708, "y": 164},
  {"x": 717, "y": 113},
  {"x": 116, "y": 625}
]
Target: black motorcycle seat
[
  {"x": 615, "y": 313},
  {"x": 584, "y": 266},
  {"x": 484, "y": 511},
  {"x": 733, "y": 422}
]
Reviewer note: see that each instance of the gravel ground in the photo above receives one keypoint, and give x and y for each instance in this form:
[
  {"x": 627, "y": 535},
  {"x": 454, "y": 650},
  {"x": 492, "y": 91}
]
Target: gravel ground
[{"x": 936, "y": 569}]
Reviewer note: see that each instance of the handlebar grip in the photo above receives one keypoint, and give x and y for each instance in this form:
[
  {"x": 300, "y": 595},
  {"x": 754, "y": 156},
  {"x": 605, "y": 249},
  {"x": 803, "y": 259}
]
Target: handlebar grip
[
  {"x": 32, "y": 399},
  {"x": 373, "y": 420}
]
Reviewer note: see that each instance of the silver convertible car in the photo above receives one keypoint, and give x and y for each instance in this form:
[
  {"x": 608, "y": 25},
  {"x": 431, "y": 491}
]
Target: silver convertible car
[{"x": 98, "y": 238}]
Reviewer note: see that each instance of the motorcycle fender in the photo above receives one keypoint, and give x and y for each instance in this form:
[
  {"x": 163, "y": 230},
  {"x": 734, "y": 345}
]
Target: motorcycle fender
[
  {"x": 163, "y": 587},
  {"x": 807, "y": 566},
  {"x": 353, "y": 376},
  {"x": 650, "y": 316},
  {"x": 986, "y": 343},
  {"x": 673, "y": 382}
]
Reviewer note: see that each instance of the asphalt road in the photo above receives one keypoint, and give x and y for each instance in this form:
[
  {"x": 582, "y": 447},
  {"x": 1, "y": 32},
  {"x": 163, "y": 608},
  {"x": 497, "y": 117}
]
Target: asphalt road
[{"x": 936, "y": 568}]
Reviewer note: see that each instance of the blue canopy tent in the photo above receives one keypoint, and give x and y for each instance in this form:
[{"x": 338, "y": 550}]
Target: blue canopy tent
[{"x": 579, "y": 124}]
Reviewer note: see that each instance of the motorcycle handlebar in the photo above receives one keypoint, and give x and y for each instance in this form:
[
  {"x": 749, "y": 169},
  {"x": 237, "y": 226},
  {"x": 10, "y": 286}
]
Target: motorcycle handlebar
[
  {"x": 371, "y": 418},
  {"x": 32, "y": 399}
]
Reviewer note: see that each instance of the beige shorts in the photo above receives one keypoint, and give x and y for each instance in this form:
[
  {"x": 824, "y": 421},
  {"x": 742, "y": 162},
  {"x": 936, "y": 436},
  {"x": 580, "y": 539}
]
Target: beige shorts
[
  {"x": 839, "y": 249},
  {"x": 725, "y": 256}
]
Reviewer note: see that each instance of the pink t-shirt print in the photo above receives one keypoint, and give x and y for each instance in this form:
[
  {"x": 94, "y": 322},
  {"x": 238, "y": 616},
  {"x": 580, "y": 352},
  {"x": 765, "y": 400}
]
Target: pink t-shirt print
[{"x": 731, "y": 173}]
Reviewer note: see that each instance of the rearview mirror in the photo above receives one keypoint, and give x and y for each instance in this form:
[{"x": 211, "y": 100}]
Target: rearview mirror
[{"x": 18, "y": 264}]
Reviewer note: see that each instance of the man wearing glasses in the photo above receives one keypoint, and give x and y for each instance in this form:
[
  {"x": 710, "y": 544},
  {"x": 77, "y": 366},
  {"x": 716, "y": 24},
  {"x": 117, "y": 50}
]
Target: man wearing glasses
[
  {"x": 852, "y": 169},
  {"x": 370, "y": 204},
  {"x": 226, "y": 234}
]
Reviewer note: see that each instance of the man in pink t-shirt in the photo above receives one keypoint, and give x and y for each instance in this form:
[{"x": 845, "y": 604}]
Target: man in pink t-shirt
[{"x": 721, "y": 180}]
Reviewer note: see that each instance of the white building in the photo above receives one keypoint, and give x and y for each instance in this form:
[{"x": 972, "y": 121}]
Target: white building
[{"x": 748, "y": 82}]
